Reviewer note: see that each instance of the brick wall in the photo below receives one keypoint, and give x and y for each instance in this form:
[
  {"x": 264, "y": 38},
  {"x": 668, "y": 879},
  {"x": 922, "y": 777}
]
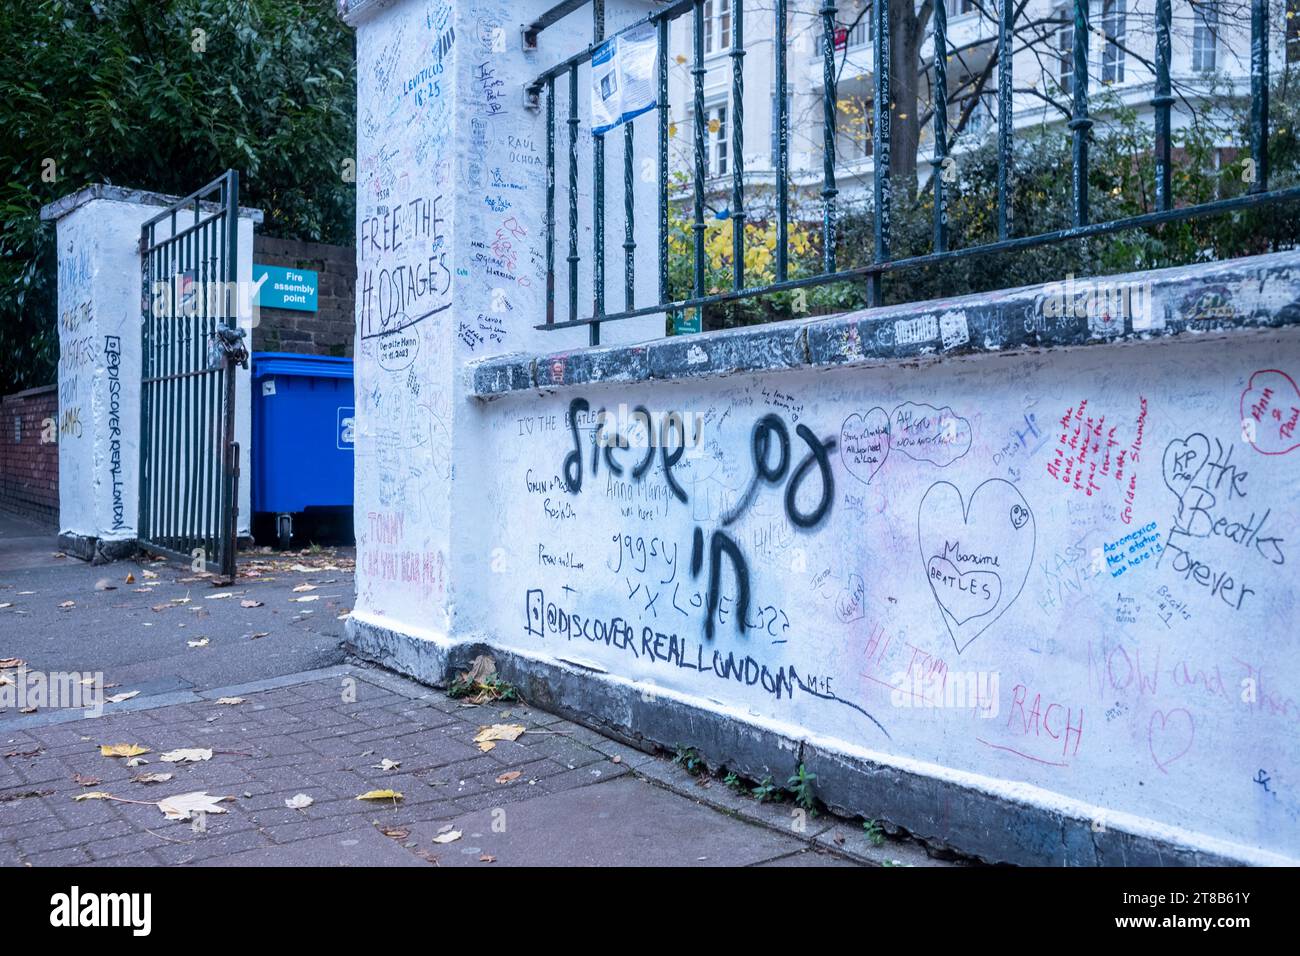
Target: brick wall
[
  {"x": 29, "y": 468},
  {"x": 330, "y": 329}
]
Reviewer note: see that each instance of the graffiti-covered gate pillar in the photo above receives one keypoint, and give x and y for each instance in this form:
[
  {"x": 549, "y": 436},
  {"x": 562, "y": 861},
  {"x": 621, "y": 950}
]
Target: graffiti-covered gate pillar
[
  {"x": 452, "y": 247},
  {"x": 100, "y": 311}
]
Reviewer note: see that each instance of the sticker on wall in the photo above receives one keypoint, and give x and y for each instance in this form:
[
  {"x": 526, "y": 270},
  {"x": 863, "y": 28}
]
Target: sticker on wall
[
  {"x": 268, "y": 386},
  {"x": 976, "y": 553}
]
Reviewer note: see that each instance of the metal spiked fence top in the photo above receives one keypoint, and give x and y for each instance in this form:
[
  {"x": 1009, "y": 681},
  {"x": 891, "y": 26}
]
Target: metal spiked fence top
[{"x": 1080, "y": 124}]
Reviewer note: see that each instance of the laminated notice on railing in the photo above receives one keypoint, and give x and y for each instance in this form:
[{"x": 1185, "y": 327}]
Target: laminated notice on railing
[{"x": 622, "y": 78}]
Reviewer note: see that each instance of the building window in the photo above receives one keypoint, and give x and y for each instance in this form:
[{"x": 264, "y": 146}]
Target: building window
[
  {"x": 715, "y": 140},
  {"x": 854, "y": 129},
  {"x": 1065, "y": 50},
  {"x": 1205, "y": 37},
  {"x": 848, "y": 38},
  {"x": 1114, "y": 26},
  {"x": 717, "y": 25}
]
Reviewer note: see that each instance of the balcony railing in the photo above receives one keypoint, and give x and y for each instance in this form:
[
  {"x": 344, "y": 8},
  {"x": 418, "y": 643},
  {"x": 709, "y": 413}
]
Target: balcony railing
[{"x": 1080, "y": 124}]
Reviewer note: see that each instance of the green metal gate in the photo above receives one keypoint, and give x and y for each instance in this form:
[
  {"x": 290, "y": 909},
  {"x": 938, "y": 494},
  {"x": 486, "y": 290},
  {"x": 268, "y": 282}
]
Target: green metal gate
[{"x": 189, "y": 459}]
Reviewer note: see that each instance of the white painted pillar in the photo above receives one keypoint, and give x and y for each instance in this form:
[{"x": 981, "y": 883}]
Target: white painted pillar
[
  {"x": 451, "y": 267},
  {"x": 100, "y": 312}
]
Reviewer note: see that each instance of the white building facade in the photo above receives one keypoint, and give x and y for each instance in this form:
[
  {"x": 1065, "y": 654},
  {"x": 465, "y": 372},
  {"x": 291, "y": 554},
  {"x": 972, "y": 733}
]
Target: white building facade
[{"x": 1209, "y": 70}]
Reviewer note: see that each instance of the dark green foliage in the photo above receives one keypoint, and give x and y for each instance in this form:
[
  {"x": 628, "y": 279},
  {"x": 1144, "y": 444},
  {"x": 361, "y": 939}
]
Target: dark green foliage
[{"x": 115, "y": 91}]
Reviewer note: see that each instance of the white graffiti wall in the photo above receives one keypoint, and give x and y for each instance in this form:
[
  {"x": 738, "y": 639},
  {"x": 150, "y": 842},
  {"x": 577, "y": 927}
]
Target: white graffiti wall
[
  {"x": 451, "y": 255},
  {"x": 1073, "y": 571},
  {"x": 98, "y": 429}
]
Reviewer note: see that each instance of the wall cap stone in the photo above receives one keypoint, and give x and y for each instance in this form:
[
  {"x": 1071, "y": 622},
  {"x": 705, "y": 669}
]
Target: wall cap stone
[
  {"x": 1235, "y": 295},
  {"x": 141, "y": 197},
  {"x": 29, "y": 393},
  {"x": 355, "y": 12}
]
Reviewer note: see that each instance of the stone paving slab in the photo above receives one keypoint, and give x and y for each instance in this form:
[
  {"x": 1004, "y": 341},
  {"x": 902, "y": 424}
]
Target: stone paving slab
[
  {"x": 627, "y": 822},
  {"x": 366, "y": 847}
]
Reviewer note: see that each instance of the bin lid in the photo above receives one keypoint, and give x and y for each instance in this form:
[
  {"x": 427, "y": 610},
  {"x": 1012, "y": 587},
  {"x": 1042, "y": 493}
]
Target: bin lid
[{"x": 307, "y": 366}]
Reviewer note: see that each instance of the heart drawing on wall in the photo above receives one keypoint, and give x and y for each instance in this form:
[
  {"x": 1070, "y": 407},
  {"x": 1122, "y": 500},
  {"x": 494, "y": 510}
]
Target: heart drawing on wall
[
  {"x": 864, "y": 443},
  {"x": 976, "y": 553}
]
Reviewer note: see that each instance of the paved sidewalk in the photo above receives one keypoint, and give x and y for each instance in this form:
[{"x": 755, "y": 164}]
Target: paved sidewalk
[
  {"x": 266, "y": 688},
  {"x": 558, "y": 795}
]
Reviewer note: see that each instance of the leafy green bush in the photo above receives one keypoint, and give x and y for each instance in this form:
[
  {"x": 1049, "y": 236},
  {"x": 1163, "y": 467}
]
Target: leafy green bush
[{"x": 126, "y": 92}]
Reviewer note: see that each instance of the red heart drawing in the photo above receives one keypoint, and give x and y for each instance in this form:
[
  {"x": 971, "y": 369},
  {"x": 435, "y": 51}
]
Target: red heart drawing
[
  {"x": 1175, "y": 727},
  {"x": 1270, "y": 412}
]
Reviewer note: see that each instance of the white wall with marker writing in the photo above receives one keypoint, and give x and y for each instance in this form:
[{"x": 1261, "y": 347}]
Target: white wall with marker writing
[{"x": 1073, "y": 572}]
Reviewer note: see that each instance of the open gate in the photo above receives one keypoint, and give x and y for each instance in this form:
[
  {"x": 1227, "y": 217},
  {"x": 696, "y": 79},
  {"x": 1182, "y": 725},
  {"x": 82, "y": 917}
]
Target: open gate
[{"x": 189, "y": 459}]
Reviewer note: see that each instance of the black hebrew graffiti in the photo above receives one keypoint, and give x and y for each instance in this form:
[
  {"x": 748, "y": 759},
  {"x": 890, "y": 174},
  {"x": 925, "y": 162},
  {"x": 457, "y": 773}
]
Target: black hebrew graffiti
[{"x": 771, "y": 456}]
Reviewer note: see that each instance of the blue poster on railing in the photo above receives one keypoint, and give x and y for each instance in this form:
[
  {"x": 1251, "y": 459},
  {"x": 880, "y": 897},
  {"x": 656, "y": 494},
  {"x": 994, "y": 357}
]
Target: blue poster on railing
[{"x": 623, "y": 78}]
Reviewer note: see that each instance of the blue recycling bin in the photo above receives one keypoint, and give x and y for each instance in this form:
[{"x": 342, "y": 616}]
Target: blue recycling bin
[{"x": 303, "y": 435}]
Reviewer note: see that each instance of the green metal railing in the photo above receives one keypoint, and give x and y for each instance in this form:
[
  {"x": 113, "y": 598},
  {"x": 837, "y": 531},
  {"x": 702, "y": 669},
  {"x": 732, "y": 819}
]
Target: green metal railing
[
  {"x": 188, "y": 455},
  {"x": 1080, "y": 125}
]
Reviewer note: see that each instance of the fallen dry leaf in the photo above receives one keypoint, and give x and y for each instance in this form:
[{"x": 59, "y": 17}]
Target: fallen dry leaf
[
  {"x": 10, "y": 662},
  {"x": 81, "y": 780},
  {"x": 304, "y": 600},
  {"x": 230, "y": 701},
  {"x": 122, "y": 750},
  {"x": 68, "y": 604},
  {"x": 136, "y": 762},
  {"x": 6, "y": 604},
  {"x": 258, "y": 635},
  {"x": 451, "y": 836},
  {"x": 93, "y": 795},
  {"x": 387, "y": 764},
  {"x": 299, "y": 802},
  {"x": 201, "y": 642},
  {"x": 487, "y": 736},
  {"x": 380, "y": 795},
  {"x": 151, "y": 778},
  {"x": 130, "y": 578},
  {"x": 218, "y": 597},
  {"x": 509, "y": 776},
  {"x": 186, "y": 755},
  {"x": 250, "y": 603},
  {"x": 149, "y": 574},
  {"x": 118, "y": 698},
  {"x": 185, "y": 805},
  {"x": 27, "y": 710},
  {"x": 485, "y": 858},
  {"x": 303, "y": 588}
]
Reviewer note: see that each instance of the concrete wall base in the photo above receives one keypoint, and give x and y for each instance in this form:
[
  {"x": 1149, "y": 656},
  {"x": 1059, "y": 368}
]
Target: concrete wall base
[
  {"x": 994, "y": 820},
  {"x": 97, "y": 550}
]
